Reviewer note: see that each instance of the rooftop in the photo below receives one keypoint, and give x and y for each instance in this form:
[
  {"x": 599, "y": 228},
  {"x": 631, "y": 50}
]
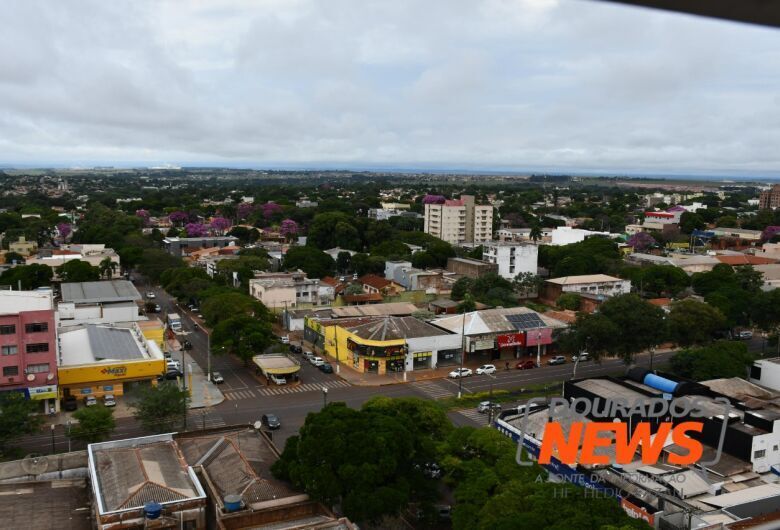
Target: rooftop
[
  {"x": 46, "y": 505},
  {"x": 586, "y": 278},
  {"x": 395, "y": 308},
  {"x": 95, "y": 343},
  {"x": 276, "y": 363},
  {"x": 374, "y": 281},
  {"x": 127, "y": 474},
  {"x": 13, "y": 302},
  {"x": 97, "y": 292},
  {"x": 745, "y": 259},
  {"x": 395, "y": 328},
  {"x": 510, "y": 319}
]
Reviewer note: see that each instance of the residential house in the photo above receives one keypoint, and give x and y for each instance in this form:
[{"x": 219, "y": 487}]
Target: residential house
[
  {"x": 373, "y": 284},
  {"x": 179, "y": 246},
  {"x": 599, "y": 285},
  {"x": 23, "y": 247},
  {"x": 566, "y": 235},
  {"x": 289, "y": 290},
  {"x": 511, "y": 258}
]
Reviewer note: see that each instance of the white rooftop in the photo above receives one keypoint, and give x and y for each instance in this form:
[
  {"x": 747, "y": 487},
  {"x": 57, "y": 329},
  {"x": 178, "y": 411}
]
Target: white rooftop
[
  {"x": 586, "y": 278},
  {"x": 13, "y": 302}
]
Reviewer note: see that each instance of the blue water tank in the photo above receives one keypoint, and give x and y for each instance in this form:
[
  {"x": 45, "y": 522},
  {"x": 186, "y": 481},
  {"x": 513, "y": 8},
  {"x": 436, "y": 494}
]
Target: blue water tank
[
  {"x": 232, "y": 503},
  {"x": 152, "y": 510},
  {"x": 661, "y": 383}
]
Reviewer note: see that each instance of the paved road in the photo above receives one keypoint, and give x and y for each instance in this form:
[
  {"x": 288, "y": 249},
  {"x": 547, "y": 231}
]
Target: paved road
[{"x": 247, "y": 398}]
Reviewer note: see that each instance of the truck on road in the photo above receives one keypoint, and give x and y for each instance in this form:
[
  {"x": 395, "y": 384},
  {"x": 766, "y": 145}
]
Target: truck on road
[{"x": 174, "y": 322}]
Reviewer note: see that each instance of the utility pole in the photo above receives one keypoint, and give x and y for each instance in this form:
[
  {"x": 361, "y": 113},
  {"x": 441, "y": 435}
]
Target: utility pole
[
  {"x": 208, "y": 354},
  {"x": 462, "y": 355},
  {"x": 538, "y": 347}
]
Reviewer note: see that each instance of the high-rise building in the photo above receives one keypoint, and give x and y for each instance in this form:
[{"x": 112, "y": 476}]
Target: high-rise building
[
  {"x": 770, "y": 199},
  {"x": 512, "y": 258},
  {"x": 459, "y": 221}
]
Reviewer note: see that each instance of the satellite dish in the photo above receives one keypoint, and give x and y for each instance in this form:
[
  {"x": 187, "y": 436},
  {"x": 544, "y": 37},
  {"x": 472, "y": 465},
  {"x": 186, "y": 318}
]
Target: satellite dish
[
  {"x": 31, "y": 377},
  {"x": 35, "y": 464},
  {"x": 50, "y": 377}
]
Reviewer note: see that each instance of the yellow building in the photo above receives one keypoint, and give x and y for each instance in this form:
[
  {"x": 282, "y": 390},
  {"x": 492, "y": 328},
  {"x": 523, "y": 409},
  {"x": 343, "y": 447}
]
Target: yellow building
[
  {"x": 23, "y": 247},
  {"x": 98, "y": 360}
]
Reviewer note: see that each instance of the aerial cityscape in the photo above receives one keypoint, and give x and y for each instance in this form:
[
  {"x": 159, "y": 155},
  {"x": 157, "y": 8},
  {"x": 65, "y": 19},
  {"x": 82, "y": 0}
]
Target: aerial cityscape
[{"x": 271, "y": 265}]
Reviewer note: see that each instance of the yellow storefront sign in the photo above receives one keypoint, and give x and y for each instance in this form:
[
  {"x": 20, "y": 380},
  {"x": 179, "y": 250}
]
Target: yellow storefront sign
[{"x": 128, "y": 370}]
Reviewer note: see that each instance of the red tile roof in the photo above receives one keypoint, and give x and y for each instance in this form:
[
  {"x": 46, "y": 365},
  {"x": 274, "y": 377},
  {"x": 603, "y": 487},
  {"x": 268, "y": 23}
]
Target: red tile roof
[
  {"x": 745, "y": 259},
  {"x": 660, "y": 302},
  {"x": 374, "y": 281},
  {"x": 365, "y": 297}
]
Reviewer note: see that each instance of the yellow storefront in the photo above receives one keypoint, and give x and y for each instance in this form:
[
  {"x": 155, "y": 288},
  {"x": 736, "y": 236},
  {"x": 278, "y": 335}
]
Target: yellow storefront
[
  {"x": 107, "y": 378},
  {"x": 364, "y": 355}
]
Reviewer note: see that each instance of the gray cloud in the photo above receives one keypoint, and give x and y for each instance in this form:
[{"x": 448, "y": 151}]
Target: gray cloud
[{"x": 492, "y": 83}]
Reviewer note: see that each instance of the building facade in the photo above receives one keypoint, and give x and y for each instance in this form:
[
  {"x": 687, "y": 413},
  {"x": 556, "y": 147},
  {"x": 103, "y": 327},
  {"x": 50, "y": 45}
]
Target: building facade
[
  {"x": 289, "y": 290},
  {"x": 599, "y": 285},
  {"x": 459, "y": 221},
  {"x": 28, "y": 346},
  {"x": 770, "y": 199},
  {"x": 511, "y": 258},
  {"x": 471, "y": 268}
]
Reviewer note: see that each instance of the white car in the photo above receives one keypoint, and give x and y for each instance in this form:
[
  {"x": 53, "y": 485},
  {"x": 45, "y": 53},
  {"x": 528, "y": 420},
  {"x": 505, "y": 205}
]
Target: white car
[
  {"x": 285, "y": 339},
  {"x": 173, "y": 364},
  {"x": 90, "y": 401},
  {"x": 109, "y": 400},
  {"x": 278, "y": 380},
  {"x": 317, "y": 361},
  {"x": 459, "y": 372},
  {"x": 150, "y": 295},
  {"x": 486, "y": 369},
  {"x": 582, "y": 357}
]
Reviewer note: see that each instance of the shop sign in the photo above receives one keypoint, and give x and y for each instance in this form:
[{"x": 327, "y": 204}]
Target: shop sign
[
  {"x": 637, "y": 512},
  {"x": 483, "y": 344},
  {"x": 422, "y": 354},
  {"x": 511, "y": 339},
  {"x": 43, "y": 392},
  {"x": 535, "y": 337},
  {"x": 116, "y": 371}
]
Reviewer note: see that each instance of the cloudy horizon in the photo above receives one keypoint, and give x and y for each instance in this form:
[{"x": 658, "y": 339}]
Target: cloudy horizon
[{"x": 520, "y": 85}]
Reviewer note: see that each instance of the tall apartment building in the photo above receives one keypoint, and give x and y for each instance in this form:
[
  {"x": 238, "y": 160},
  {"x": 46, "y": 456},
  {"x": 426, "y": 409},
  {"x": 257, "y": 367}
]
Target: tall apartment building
[
  {"x": 28, "y": 346},
  {"x": 511, "y": 258},
  {"x": 459, "y": 221},
  {"x": 770, "y": 199}
]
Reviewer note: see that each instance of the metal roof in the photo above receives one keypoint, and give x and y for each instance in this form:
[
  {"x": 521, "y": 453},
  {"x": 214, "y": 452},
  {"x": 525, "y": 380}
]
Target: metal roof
[
  {"x": 113, "y": 343},
  {"x": 103, "y": 291}
]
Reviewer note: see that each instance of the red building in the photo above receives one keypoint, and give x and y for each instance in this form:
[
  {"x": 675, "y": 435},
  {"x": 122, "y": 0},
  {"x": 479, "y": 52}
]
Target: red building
[{"x": 28, "y": 346}]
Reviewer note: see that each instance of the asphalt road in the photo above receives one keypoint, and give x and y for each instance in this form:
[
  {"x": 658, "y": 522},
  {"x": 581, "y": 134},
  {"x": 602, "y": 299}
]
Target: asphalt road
[{"x": 248, "y": 398}]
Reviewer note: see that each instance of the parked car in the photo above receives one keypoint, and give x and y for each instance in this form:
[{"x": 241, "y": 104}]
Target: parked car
[
  {"x": 745, "y": 334},
  {"x": 157, "y": 308},
  {"x": 285, "y": 339},
  {"x": 460, "y": 372},
  {"x": 171, "y": 374},
  {"x": 277, "y": 379},
  {"x": 308, "y": 354},
  {"x": 151, "y": 295},
  {"x": 294, "y": 348},
  {"x": 270, "y": 421},
  {"x": 584, "y": 356},
  {"x": 558, "y": 359},
  {"x": 486, "y": 369},
  {"x": 487, "y": 406},
  {"x": 186, "y": 345},
  {"x": 90, "y": 401},
  {"x": 109, "y": 401},
  {"x": 317, "y": 361},
  {"x": 217, "y": 378},
  {"x": 526, "y": 365},
  {"x": 172, "y": 364},
  {"x": 71, "y": 403},
  {"x": 326, "y": 368}
]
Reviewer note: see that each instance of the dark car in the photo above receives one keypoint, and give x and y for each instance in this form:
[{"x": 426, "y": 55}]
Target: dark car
[
  {"x": 525, "y": 365},
  {"x": 271, "y": 421},
  {"x": 294, "y": 348},
  {"x": 326, "y": 367},
  {"x": 186, "y": 345},
  {"x": 71, "y": 403},
  {"x": 173, "y": 373}
]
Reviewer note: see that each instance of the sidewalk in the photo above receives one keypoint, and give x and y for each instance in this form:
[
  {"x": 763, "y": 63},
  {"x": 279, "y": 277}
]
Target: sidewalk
[{"x": 203, "y": 393}]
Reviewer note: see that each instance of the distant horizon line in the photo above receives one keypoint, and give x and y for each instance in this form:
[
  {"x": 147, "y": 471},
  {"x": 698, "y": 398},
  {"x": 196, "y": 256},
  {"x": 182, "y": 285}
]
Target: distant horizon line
[{"x": 702, "y": 174}]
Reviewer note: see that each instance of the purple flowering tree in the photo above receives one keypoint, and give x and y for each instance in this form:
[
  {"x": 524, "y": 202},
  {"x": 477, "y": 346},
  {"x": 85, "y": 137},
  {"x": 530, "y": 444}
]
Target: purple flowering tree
[
  {"x": 434, "y": 199},
  {"x": 64, "y": 230},
  {"x": 270, "y": 209},
  {"x": 220, "y": 224},
  {"x": 178, "y": 217},
  {"x": 640, "y": 241},
  {"x": 143, "y": 215},
  {"x": 770, "y": 232},
  {"x": 244, "y": 210},
  {"x": 196, "y": 230},
  {"x": 288, "y": 229}
]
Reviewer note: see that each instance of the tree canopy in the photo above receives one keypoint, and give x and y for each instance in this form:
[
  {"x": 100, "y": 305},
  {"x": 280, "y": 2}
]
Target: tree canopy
[
  {"x": 719, "y": 359},
  {"x": 314, "y": 262},
  {"x": 161, "y": 408}
]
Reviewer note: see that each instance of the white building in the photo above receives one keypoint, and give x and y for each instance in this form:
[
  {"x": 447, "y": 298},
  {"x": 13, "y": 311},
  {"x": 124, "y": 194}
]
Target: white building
[
  {"x": 288, "y": 290},
  {"x": 94, "y": 254},
  {"x": 512, "y": 258},
  {"x": 103, "y": 302},
  {"x": 459, "y": 221},
  {"x": 592, "y": 284},
  {"x": 565, "y": 235},
  {"x": 766, "y": 372}
]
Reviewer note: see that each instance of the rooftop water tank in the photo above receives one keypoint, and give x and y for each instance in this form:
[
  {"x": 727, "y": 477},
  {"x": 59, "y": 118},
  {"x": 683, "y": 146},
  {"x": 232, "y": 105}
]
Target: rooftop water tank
[
  {"x": 232, "y": 503},
  {"x": 152, "y": 510},
  {"x": 661, "y": 383}
]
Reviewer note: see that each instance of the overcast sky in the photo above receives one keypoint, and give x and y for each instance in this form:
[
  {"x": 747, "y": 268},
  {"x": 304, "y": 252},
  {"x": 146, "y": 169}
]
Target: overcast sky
[{"x": 523, "y": 84}]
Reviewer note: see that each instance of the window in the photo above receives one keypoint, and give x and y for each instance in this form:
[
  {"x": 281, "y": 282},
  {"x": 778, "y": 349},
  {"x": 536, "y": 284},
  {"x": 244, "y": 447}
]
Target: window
[
  {"x": 759, "y": 454},
  {"x": 10, "y": 349},
  {"x": 7, "y": 329},
  {"x": 37, "y": 347},
  {"x": 9, "y": 371},
  {"x": 41, "y": 368},
  {"x": 36, "y": 327}
]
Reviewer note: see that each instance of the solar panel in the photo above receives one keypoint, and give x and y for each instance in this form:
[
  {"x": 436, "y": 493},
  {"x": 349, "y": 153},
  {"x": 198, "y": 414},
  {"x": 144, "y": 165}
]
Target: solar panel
[{"x": 526, "y": 321}]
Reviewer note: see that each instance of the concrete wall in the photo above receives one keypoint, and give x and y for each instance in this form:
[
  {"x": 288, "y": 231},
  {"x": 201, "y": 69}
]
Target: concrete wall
[{"x": 63, "y": 465}]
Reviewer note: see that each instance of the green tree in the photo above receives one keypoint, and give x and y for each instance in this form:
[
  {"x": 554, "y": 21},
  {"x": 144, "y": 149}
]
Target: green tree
[
  {"x": 527, "y": 284},
  {"x": 107, "y": 268},
  {"x": 17, "y": 418},
  {"x": 721, "y": 359},
  {"x": 461, "y": 287},
  {"x": 343, "y": 261},
  {"x": 641, "y": 324},
  {"x": 536, "y": 232},
  {"x": 161, "y": 408},
  {"x": 242, "y": 336},
  {"x": 155, "y": 261},
  {"x": 353, "y": 289},
  {"x": 95, "y": 423},
  {"x": 225, "y": 305},
  {"x": 28, "y": 276},
  {"x": 314, "y": 262},
  {"x": 693, "y": 322},
  {"x": 690, "y": 221},
  {"x": 323, "y": 233},
  {"x": 593, "y": 333},
  {"x": 11, "y": 257},
  {"x": 77, "y": 270},
  {"x": 570, "y": 301},
  {"x": 467, "y": 305},
  {"x": 660, "y": 280}
]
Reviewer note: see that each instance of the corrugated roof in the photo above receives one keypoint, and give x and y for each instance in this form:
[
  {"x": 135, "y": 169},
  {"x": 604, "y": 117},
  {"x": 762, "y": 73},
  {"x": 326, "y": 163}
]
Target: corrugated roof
[
  {"x": 395, "y": 308},
  {"x": 585, "y": 278},
  {"x": 746, "y": 495},
  {"x": 103, "y": 291},
  {"x": 112, "y": 343},
  {"x": 394, "y": 328}
]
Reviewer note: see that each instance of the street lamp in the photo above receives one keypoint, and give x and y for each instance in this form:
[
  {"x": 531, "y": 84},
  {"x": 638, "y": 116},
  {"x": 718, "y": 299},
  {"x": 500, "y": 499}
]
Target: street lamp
[
  {"x": 324, "y": 396},
  {"x": 462, "y": 355},
  {"x": 52, "y": 438},
  {"x": 208, "y": 354},
  {"x": 538, "y": 347}
]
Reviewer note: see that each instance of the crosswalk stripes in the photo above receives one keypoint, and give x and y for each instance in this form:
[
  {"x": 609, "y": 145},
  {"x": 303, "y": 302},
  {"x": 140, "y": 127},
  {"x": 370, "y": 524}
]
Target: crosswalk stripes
[
  {"x": 477, "y": 417},
  {"x": 307, "y": 387},
  {"x": 238, "y": 394},
  {"x": 433, "y": 389},
  {"x": 195, "y": 419}
]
